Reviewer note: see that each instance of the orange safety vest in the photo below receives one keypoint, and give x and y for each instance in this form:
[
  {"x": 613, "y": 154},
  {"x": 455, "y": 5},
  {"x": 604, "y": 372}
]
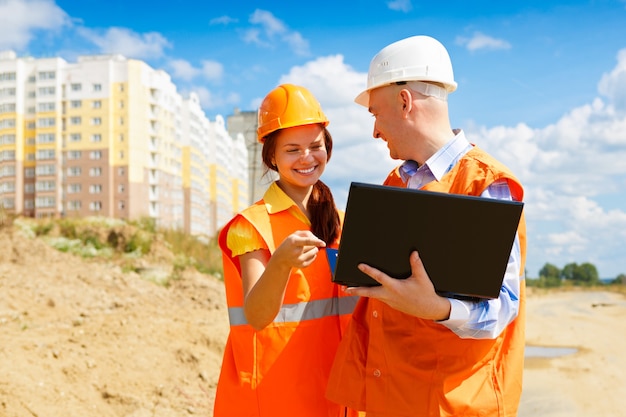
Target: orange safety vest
[
  {"x": 393, "y": 364},
  {"x": 282, "y": 370}
]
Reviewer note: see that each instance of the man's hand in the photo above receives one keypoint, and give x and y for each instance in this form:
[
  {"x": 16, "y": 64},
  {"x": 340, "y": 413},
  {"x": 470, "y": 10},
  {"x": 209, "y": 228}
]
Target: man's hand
[{"x": 415, "y": 295}]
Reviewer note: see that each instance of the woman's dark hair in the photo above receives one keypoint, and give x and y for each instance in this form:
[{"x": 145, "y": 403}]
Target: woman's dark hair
[{"x": 325, "y": 222}]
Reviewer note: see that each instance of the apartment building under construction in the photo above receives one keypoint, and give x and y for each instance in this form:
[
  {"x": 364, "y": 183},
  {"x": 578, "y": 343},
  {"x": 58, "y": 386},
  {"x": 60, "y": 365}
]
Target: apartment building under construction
[{"x": 111, "y": 136}]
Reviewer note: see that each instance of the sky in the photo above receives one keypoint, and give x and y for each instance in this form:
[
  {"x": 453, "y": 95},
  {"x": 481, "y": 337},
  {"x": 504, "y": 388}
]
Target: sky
[{"x": 541, "y": 86}]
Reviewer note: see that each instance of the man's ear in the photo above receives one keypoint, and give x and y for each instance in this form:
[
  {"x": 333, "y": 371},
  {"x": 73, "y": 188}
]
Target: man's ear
[{"x": 406, "y": 101}]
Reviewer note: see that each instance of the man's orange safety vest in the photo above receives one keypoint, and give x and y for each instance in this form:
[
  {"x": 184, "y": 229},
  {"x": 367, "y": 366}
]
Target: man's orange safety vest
[
  {"x": 393, "y": 364},
  {"x": 283, "y": 369}
]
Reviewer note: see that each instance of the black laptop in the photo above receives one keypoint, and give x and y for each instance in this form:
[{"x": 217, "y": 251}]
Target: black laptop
[{"x": 464, "y": 241}]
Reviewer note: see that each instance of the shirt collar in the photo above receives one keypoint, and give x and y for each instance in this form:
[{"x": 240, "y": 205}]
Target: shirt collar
[
  {"x": 442, "y": 161},
  {"x": 276, "y": 200}
]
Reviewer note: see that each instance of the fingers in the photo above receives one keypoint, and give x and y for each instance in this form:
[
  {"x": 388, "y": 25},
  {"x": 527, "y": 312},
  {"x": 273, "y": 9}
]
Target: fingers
[{"x": 306, "y": 238}]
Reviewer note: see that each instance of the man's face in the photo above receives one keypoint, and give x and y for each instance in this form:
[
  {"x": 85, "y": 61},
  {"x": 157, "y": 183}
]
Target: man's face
[{"x": 385, "y": 105}]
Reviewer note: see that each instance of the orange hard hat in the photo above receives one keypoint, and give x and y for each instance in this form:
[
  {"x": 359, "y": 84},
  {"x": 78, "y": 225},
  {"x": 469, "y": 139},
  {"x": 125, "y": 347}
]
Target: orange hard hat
[{"x": 286, "y": 106}]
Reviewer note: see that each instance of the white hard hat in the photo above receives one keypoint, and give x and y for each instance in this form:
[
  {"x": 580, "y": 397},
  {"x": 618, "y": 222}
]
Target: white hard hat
[{"x": 418, "y": 58}]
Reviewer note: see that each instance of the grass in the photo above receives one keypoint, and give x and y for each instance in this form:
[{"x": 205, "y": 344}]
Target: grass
[{"x": 131, "y": 244}]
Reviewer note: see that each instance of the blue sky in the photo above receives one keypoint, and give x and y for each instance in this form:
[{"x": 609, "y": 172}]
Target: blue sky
[{"x": 542, "y": 86}]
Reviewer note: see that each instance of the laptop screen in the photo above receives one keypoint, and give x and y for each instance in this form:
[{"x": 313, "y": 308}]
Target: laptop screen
[{"x": 464, "y": 241}]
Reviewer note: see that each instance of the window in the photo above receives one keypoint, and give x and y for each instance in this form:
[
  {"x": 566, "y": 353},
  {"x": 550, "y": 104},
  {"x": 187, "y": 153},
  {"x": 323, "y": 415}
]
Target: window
[
  {"x": 121, "y": 205},
  {"x": 73, "y": 171},
  {"x": 45, "y": 185},
  {"x": 45, "y": 122},
  {"x": 7, "y": 76},
  {"x": 29, "y": 172},
  {"x": 7, "y": 187},
  {"x": 46, "y": 91},
  {"x": 73, "y": 205},
  {"x": 46, "y": 106},
  {"x": 7, "y": 92},
  {"x": 74, "y": 188},
  {"x": 7, "y": 108},
  {"x": 29, "y": 188},
  {"x": 75, "y": 104},
  {"x": 95, "y": 189},
  {"x": 45, "y": 170},
  {"x": 96, "y": 104},
  {"x": 7, "y": 155},
  {"x": 8, "y": 202},
  {"x": 95, "y": 172},
  {"x": 43, "y": 154},
  {"x": 95, "y": 155},
  {"x": 45, "y": 138},
  {"x": 96, "y": 121},
  {"x": 97, "y": 87},
  {"x": 96, "y": 137},
  {"x": 75, "y": 87},
  {"x": 8, "y": 123},
  {"x": 44, "y": 202},
  {"x": 95, "y": 206},
  {"x": 121, "y": 188},
  {"x": 75, "y": 120},
  {"x": 7, "y": 139},
  {"x": 121, "y": 154},
  {"x": 74, "y": 155},
  {"x": 75, "y": 137},
  {"x": 46, "y": 75}
]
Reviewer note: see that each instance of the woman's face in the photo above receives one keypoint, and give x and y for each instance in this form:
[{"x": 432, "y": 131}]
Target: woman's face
[{"x": 300, "y": 155}]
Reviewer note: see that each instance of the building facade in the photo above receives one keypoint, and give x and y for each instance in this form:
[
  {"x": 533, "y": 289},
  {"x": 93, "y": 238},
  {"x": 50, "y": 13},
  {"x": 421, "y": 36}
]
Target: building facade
[
  {"x": 112, "y": 137},
  {"x": 245, "y": 123}
]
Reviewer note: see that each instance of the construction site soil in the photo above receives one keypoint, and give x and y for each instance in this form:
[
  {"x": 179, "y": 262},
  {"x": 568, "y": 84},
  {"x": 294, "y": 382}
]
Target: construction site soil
[{"x": 83, "y": 337}]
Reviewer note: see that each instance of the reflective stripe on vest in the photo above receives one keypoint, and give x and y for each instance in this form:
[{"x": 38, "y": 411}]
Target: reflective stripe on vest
[{"x": 310, "y": 310}]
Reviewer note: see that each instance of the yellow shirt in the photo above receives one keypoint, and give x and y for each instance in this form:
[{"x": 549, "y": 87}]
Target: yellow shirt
[{"x": 243, "y": 237}]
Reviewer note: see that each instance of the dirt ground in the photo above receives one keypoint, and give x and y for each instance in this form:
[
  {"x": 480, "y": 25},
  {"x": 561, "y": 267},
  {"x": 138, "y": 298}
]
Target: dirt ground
[{"x": 82, "y": 338}]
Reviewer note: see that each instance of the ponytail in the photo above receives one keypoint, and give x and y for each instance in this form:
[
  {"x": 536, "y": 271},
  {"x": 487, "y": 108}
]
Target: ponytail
[{"x": 325, "y": 222}]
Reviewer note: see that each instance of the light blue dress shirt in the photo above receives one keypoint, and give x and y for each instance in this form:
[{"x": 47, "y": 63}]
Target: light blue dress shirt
[{"x": 482, "y": 319}]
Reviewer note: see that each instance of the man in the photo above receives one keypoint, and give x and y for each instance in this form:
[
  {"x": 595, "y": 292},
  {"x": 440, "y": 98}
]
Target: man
[{"x": 409, "y": 351}]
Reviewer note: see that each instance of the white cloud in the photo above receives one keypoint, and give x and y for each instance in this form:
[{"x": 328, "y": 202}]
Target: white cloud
[
  {"x": 183, "y": 70},
  {"x": 124, "y": 41},
  {"x": 482, "y": 41},
  {"x": 613, "y": 84},
  {"x": 272, "y": 30},
  {"x": 20, "y": 19},
  {"x": 222, "y": 20},
  {"x": 400, "y": 5},
  {"x": 211, "y": 100},
  {"x": 212, "y": 70},
  {"x": 332, "y": 81},
  {"x": 575, "y": 179}
]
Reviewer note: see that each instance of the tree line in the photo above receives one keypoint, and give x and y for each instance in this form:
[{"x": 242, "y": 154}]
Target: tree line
[{"x": 585, "y": 274}]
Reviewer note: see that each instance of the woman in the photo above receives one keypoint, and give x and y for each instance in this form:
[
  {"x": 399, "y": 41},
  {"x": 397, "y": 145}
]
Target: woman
[{"x": 286, "y": 316}]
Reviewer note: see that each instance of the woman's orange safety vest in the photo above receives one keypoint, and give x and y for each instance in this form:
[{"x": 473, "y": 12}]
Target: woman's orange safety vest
[
  {"x": 283, "y": 369},
  {"x": 393, "y": 364}
]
